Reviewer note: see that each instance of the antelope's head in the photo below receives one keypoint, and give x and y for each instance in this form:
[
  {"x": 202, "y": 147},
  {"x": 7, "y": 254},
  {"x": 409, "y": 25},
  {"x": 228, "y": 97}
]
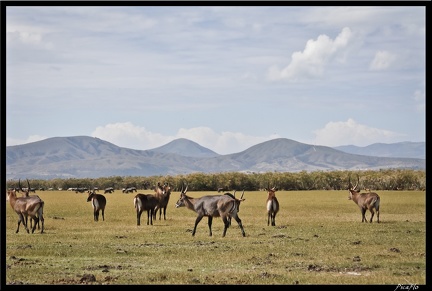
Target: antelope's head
[
  {"x": 271, "y": 192},
  {"x": 91, "y": 193},
  {"x": 181, "y": 201},
  {"x": 352, "y": 190}
]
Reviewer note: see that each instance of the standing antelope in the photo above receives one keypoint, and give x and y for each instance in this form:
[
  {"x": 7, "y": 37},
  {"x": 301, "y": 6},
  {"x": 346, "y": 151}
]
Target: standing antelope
[
  {"x": 98, "y": 204},
  {"x": 27, "y": 194},
  {"x": 145, "y": 202},
  {"x": 163, "y": 195},
  {"x": 211, "y": 206},
  {"x": 27, "y": 206},
  {"x": 272, "y": 205},
  {"x": 365, "y": 201}
]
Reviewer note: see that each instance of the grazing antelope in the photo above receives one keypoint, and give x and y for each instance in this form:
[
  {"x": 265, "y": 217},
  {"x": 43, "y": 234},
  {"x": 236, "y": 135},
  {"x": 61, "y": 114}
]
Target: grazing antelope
[
  {"x": 27, "y": 206},
  {"x": 163, "y": 194},
  {"x": 145, "y": 202},
  {"x": 211, "y": 206},
  {"x": 98, "y": 204},
  {"x": 365, "y": 201},
  {"x": 108, "y": 190},
  {"x": 272, "y": 205}
]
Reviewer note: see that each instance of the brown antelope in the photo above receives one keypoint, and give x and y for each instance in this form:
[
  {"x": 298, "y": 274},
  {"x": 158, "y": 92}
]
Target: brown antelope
[
  {"x": 272, "y": 205},
  {"x": 27, "y": 206},
  {"x": 98, "y": 204},
  {"x": 145, "y": 202},
  {"x": 163, "y": 195},
  {"x": 211, "y": 206},
  {"x": 25, "y": 193},
  {"x": 365, "y": 201}
]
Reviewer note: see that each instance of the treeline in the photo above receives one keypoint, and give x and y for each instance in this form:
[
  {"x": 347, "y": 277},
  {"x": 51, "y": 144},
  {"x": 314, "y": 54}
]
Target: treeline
[{"x": 392, "y": 179}]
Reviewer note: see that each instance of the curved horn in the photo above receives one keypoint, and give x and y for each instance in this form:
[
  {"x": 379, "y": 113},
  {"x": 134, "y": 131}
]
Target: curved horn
[
  {"x": 241, "y": 197},
  {"x": 28, "y": 185},
  {"x": 358, "y": 180},
  {"x": 19, "y": 185}
]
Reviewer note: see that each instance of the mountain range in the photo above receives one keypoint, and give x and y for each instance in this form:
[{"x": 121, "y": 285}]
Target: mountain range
[{"x": 89, "y": 157}]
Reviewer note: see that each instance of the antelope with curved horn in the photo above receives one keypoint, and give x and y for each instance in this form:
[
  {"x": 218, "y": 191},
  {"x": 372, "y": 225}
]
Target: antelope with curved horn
[
  {"x": 162, "y": 193},
  {"x": 272, "y": 205},
  {"x": 211, "y": 206},
  {"x": 365, "y": 201},
  {"x": 98, "y": 204},
  {"x": 27, "y": 206},
  {"x": 26, "y": 193}
]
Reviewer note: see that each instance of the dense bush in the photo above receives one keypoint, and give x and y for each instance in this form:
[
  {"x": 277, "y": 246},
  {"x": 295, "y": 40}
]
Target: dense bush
[{"x": 393, "y": 179}]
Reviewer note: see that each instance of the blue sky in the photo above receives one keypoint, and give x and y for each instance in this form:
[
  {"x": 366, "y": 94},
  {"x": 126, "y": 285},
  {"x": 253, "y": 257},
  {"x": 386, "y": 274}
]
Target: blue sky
[{"x": 225, "y": 77}]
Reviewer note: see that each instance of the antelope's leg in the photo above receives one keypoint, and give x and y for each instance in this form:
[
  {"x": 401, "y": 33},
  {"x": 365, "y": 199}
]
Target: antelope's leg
[
  {"x": 210, "y": 221},
  {"x": 239, "y": 222},
  {"x": 197, "y": 220}
]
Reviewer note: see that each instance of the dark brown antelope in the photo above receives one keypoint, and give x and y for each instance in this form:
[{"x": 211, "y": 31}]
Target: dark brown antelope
[
  {"x": 98, "y": 204},
  {"x": 163, "y": 194},
  {"x": 145, "y": 202},
  {"x": 27, "y": 206},
  {"x": 365, "y": 201},
  {"x": 272, "y": 205},
  {"x": 211, "y": 206}
]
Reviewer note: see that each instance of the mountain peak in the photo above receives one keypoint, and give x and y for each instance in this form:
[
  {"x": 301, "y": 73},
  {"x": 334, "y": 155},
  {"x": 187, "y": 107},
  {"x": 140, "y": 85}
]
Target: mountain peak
[{"x": 186, "y": 148}]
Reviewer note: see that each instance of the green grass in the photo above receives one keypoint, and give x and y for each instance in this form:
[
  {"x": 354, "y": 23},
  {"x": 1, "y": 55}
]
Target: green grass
[{"x": 318, "y": 239}]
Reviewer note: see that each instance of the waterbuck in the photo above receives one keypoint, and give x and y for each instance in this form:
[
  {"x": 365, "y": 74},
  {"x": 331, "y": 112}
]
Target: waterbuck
[
  {"x": 163, "y": 194},
  {"x": 27, "y": 206},
  {"x": 25, "y": 193},
  {"x": 145, "y": 202},
  {"x": 98, "y": 203},
  {"x": 365, "y": 201},
  {"x": 272, "y": 205},
  {"x": 211, "y": 206}
]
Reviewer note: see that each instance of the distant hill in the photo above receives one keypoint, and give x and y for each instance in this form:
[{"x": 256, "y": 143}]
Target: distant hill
[
  {"x": 185, "y": 148},
  {"x": 88, "y": 157},
  {"x": 405, "y": 149}
]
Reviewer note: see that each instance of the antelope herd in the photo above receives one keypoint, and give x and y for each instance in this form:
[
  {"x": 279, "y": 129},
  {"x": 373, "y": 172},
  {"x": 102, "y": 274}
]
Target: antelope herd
[{"x": 225, "y": 206}]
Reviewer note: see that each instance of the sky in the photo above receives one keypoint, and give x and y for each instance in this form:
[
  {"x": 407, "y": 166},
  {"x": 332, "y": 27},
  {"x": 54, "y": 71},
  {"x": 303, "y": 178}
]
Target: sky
[{"x": 225, "y": 77}]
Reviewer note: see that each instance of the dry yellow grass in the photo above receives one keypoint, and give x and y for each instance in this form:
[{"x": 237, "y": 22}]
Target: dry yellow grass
[{"x": 318, "y": 239}]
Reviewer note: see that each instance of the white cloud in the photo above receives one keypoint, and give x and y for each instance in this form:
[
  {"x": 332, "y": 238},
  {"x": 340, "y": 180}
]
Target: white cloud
[
  {"x": 312, "y": 61},
  {"x": 382, "y": 60},
  {"x": 353, "y": 133},
  {"x": 32, "y": 138},
  {"x": 131, "y": 136},
  {"x": 128, "y": 135}
]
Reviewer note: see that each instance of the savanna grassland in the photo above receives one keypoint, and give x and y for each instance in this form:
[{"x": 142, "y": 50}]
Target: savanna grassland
[{"x": 318, "y": 239}]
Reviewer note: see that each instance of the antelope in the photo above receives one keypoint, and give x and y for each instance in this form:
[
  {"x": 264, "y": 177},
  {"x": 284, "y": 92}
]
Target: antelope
[
  {"x": 145, "y": 202},
  {"x": 272, "y": 205},
  {"x": 25, "y": 193},
  {"x": 365, "y": 201},
  {"x": 108, "y": 190},
  {"x": 98, "y": 204},
  {"x": 211, "y": 206},
  {"x": 27, "y": 206},
  {"x": 163, "y": 195}
]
